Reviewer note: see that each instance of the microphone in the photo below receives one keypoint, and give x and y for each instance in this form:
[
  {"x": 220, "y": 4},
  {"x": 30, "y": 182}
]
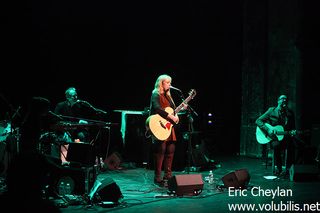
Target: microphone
[
  {"x": 174, "y": 88},
  {"x": 81, "y": 101},
  {"x": 100, "y": 111},
  {"x": 54, "y": 115}
]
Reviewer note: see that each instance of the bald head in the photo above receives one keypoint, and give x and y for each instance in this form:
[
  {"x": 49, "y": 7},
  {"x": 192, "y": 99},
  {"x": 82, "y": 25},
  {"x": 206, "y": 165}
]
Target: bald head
[{"x": 283, "y": 97}]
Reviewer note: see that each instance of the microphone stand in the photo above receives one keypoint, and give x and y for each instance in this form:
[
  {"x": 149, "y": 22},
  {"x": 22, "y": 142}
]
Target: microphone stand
[
  {"x": 190, "y": 132},
  {"x": 15, "y": 132}
]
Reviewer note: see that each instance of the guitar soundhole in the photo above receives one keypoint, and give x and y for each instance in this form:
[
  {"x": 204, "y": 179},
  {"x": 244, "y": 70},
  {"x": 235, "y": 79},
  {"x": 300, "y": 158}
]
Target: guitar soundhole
[{"x": 162, "y": 125}]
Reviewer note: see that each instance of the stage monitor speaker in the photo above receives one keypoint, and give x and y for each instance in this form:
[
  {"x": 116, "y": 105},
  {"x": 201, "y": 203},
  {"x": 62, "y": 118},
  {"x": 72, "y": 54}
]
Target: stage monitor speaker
[
  {"x": 304, "y": 173},
  {"x": 190, "y": 184},
  {"x": 238, "y": 179},
  {"x": 105, "y": 190}
]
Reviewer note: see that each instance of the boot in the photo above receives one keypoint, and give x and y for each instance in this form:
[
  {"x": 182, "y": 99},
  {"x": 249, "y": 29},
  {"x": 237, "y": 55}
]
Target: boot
[
  {"x": 158, "y": 159},
  {"x": 168, "y": 166}
]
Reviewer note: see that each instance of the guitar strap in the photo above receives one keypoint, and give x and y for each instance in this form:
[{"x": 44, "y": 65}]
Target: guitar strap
[{"x": 171, "y": 101}]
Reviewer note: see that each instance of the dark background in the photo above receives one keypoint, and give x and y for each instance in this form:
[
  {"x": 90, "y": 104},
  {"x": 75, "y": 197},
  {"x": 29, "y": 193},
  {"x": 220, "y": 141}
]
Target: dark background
[{"x": 113, "y": 51}]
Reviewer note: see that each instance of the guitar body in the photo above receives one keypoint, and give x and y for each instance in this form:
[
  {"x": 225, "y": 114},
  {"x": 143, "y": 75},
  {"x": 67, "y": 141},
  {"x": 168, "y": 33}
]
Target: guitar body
[
  {"x": 262, "y": 136},
  {"x": 159, "y": 126}
]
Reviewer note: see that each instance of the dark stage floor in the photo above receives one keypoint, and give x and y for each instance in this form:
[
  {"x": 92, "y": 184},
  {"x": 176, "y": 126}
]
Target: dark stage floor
[{"x": 262, "y": 195}]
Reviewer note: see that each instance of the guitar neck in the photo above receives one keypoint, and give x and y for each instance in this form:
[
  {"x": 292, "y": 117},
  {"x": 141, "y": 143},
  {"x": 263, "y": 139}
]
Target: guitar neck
[
  {"x": 283, "y": 133},
  {"x": 179, "y": 108}
]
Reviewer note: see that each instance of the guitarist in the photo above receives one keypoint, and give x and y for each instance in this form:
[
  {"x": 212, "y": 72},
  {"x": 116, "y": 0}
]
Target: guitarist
[
  {"x": 280, "y": 115},
  {"x": 163, "y": 151}
]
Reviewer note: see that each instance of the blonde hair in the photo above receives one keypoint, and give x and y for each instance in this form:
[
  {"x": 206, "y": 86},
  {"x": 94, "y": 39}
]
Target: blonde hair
[{"x": 159, "y": 82}]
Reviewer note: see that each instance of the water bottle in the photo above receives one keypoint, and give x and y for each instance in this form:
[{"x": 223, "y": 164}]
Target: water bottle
[
  {"x": 210, "y": 177},
  {"x": 61, "y": 189}
]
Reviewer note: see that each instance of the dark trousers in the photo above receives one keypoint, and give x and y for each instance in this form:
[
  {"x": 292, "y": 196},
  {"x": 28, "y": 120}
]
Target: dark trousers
[{"x": 280, "y": 147}]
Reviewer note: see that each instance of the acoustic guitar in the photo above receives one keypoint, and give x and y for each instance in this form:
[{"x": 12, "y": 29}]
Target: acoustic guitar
[
  {"x": 161, "y": 127},
  {"x": 263, "y": 137}
]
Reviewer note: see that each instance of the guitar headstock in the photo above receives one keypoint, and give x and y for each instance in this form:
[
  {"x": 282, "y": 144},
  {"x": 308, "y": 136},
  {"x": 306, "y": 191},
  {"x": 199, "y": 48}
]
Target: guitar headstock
[{"x": 192, "y": 93}]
